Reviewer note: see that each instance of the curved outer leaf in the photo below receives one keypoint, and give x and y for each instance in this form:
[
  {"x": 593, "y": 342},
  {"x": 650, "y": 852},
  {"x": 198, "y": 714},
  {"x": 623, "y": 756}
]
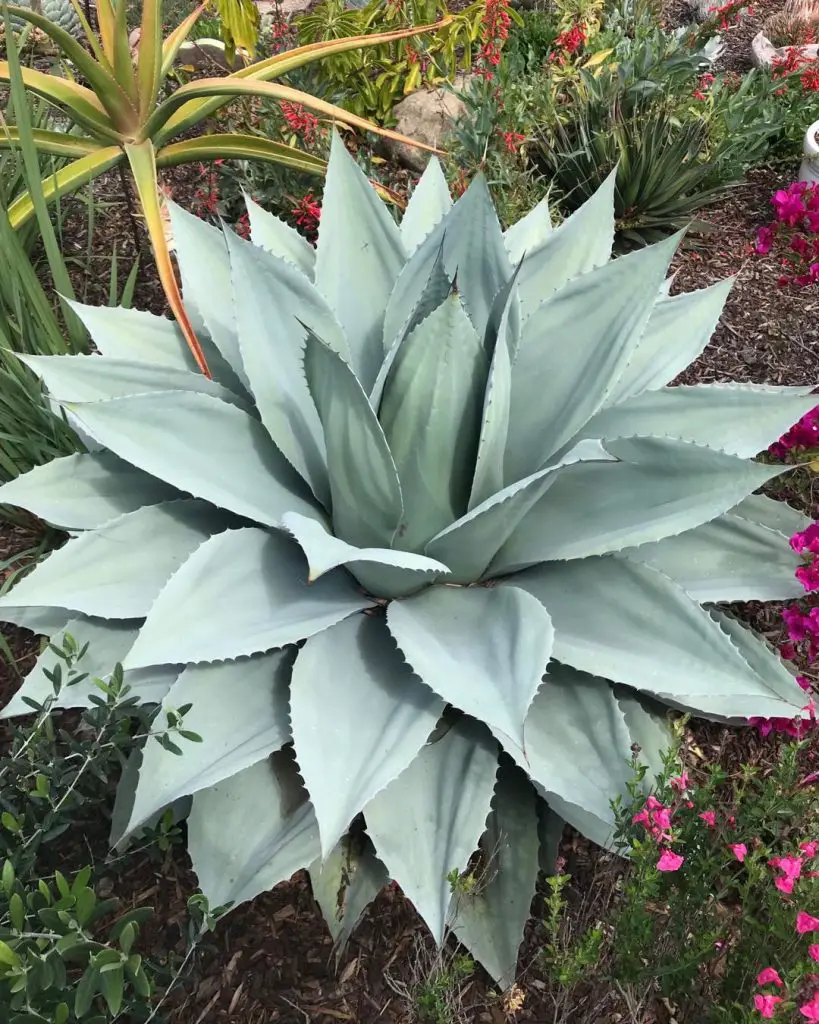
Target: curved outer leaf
[
  {"x": 81, "y": 492},
  {"x": 428, "y": 822},
  {"x": 275, "y": 306},
  {"x": 89, "y": 378},
  {"x": 572, "y": 350},
  {"x": 137, "y": 336},
  {"x": 241, "y": 593},
  {"x": 244, "y": 836},
  {"x": 358, "y": 259},
  {"x": 527, "y": 235},
  {"x": 240, "y": 710},
  {"x": 201, "y": 445},
  {"x": 664, "y": 350},
  {"x": 665, "y": 488},
  {"x": 105, "y": 572},
  {"x": 582, "y": 242},
  {"x": 344, "y": 886},
  {"x": 366, "y": 493},
  {"x": 728, "y": 559},
  {"x": 429, "y": 203},
  {"x": 80, "y": 103},
  {"x": 650, "y": 729},
  {"x": 67, "y": 179},
  {"x": 686, "y": 658},
  {"x": 172, "y": 42},
  {"x": 484, "y": 650},
  {"x": 470, "y": 544},
  {"x": 323, "y": 551},
  {"x": 740, "y": 419},
  {"x": 108, "y": 643},
  {"x": 578, "y": 746},
  {"x": 279, "y": 239},
  {"x": 58, "y": 143},
  {"x": 776, "y": 515},
  {"x": 142, "y": 160},
  {"x": 41, "y": 621},
  {"x": 359, "y": 717},
  {"x": 490, "y": 922},
  {"x": 431, "y": 413},
  {"x": 149, "y": 57},
  {"x": 235, "y": 146},
  {"x": 204, "y": 268}
]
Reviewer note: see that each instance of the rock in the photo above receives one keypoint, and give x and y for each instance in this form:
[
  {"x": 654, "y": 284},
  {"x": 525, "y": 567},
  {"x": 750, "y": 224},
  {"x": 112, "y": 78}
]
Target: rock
[
  {"x": 286, "y": 8},
  {"x": 425, "y": 115},
  {"x": 203, "y": 54},
  {"x": 763, "y": 52}
]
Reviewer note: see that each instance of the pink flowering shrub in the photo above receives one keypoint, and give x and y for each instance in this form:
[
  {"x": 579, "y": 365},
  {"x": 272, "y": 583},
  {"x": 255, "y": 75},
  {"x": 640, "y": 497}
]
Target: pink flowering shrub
[{"x": 795, "y": 233}]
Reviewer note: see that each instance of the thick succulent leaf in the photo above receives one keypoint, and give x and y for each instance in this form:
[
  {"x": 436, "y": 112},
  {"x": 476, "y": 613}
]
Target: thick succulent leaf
[
  {"x": 239, "y": 708},
  {"x": 661, "y": 489},
  {"x": 345, "y": 884},
  {"x": 573, "y": 349},
  {"x": 323, "y": 552},
  {"x": 277, "y": 237},
  {"x": 528, "y": 234},
  {"x": 366, "y": 494},
  {"x": 118, "y": 570},
  {"x": 740, "y": 419},
  {"x": 550, "y": 829},
  {"x": 648, "y": 634},
  {"x": 428, "y": 822},
  {"x": 242, "y": 592},
  {"x": 650, "y": 729},
  {"x": 578, "y": 245},
  {"x": 245, "y": 835},
  {"x": 431, "y": 414},
  {"x": 358, "y": 259},
  {"x": 776, "y": 515},
  {"x": 81, "y": 492},
  {"x": 41, "y": 621},
  {"x": 359, "y": 717},
  {"x": 108, "y": 643},
  {"x": 665, "y": 349},
  {"x": 201, "y": 251},
  {"x": 469, "y": 545},
  {"x": 91, "y": 379},
  {"x": 428, "y": 205},
  {"x": 203, "y": 446},
  {"x": 728, "y": 559},
  {"x": 578, "y": 746},
  {"x": 136, "y": 336},
  {"x": 483, "y": 649},
  {"x": 274, "y": 304},
  {"x": 490, "y": 921}
]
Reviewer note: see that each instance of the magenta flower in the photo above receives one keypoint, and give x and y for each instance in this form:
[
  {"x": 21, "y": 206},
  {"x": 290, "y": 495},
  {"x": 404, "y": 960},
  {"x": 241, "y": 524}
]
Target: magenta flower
[
  {"x": 809, "y": 849},
  {"x": 769, "y": 976},
  {"x": 710, "y": 818},
  {"x": 767, "y": 1005},
  {"x": 670, "y": 861},
  {"x": 679, "y": 782},
  {"x": 806, "y": 923},
  {"x": 810, "y": 1011},
  {"x": 739, "y": 850},
  {"x": 813, "y": 951}
]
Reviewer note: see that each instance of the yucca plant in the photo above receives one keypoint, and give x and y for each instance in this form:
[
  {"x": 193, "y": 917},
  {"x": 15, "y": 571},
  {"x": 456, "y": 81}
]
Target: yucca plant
[
  {"x": 426, "y": 557},
  {"x": 125, "y": 121}
]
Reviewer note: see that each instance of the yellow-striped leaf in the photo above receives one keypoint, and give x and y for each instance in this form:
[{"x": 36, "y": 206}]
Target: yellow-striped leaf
[
  {"x": 67, "y": 179},
  {"x": 239, "y": 147}
]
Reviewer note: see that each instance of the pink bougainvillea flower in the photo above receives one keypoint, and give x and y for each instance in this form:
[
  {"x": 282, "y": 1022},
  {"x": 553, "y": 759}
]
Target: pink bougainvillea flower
[
  {"x": 710, "y": 818},
  {"x": 739, "y": 850},
  {"x": 767, "y": 1005},
  {"x": 679, "y": 782},
  {"x": 662, "y": 818},
  {"x": 670, "y": 861},
  {"x": 784, "y": 884},
  {"x": 810, "y": 1011},
  {"x": 769, "y": 976},
  {"x": 813, "y": 951},
  {"x": 805, "y": 923},
  {"x": 809, "y": 849}
]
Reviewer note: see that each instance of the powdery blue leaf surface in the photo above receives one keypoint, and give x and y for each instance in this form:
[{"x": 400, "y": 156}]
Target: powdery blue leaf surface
[
  {"x": 428, "y": 205},
  {"x": 277, "y": 237},
  {"x": 428, "y": 822},
  {"x": 239, "y": 708},
  {"x": 775, "y": 515},
  {"x": 345, "y": 884},
  {"x": 528, "y": 234},
  {"x": 81, "y": 492},
  {"x": 106, "y": 573},
  {"x": 359, "y": 717},
  {"x": 243, "y": 592},
  {"x": 650, "y": 729},
  {"x": 483, "y": 649}
]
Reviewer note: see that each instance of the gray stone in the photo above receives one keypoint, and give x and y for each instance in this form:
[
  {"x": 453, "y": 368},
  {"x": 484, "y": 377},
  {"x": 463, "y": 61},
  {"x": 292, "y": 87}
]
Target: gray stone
[
  {"x": 763, "y": 51},
  {"x": 425, "y": 115}
]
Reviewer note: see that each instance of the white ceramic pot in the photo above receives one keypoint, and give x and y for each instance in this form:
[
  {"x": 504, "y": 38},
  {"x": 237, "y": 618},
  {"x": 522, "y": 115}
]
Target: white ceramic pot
[{"x": 809, "y": 170}]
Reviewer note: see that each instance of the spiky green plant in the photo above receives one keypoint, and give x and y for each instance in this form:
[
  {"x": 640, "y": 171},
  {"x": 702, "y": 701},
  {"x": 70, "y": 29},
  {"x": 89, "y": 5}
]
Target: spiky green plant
[{"x": 432, "y": 461}]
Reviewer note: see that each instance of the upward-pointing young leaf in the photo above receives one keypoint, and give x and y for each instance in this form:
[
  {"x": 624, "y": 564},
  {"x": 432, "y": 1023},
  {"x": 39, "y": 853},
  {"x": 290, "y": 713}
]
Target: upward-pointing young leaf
[
  {"x": 428, "y": 205},
  {"x": 276, "y": 237}
]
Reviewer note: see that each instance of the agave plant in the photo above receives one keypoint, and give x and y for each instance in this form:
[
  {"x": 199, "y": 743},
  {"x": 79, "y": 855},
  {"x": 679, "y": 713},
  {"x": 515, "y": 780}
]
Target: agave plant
[
  {"x": 125, "y": 122},
  {"x": 427, "y": 556}
]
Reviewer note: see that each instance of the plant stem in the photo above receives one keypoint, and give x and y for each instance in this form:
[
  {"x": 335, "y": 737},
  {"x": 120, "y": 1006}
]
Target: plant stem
[{"x": 129, "y": 202}]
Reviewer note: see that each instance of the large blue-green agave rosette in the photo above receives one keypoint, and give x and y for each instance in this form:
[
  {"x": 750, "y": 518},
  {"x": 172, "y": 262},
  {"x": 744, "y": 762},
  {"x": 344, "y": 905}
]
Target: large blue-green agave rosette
[{"x": 433, "y": 549}]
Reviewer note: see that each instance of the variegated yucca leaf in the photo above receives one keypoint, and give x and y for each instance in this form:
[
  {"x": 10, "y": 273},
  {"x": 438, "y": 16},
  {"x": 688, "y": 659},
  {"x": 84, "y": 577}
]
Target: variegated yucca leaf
[{"x": 427, "y": 556}]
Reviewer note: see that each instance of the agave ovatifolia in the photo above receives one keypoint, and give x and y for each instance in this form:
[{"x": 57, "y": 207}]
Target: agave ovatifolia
[
  {"x": 433, "y": 461},
  {"x": 126, "y": 122}
]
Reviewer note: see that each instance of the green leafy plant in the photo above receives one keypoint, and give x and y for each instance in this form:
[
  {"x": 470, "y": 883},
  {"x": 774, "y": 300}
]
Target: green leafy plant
[
  {"x": 371, "y": 82},
  {"x": 127, "y": 124},
  {"x": 357, "y": 549},
  {"x": 434, "y": 996}
]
